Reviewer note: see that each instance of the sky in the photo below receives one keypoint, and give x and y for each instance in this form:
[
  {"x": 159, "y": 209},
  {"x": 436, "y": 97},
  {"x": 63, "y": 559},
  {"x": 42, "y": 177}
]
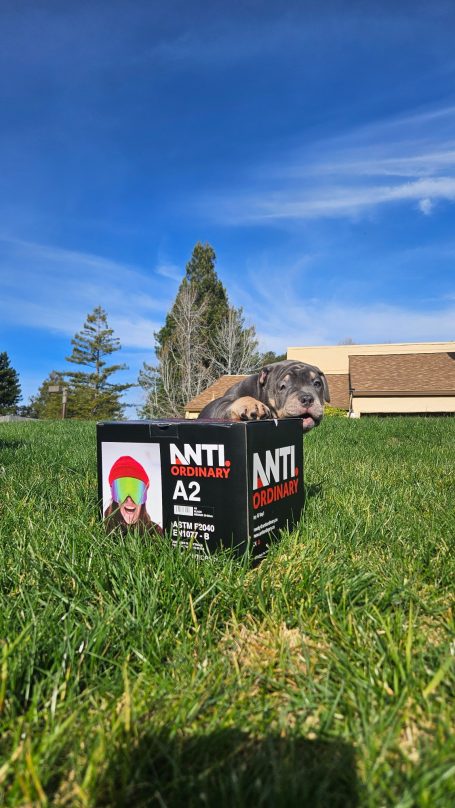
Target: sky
[{"x": 311, "y": 144}]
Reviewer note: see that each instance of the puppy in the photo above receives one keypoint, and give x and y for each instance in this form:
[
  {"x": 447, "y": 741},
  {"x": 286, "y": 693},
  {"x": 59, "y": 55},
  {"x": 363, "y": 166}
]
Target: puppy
[{"x": 287, "y": 389}]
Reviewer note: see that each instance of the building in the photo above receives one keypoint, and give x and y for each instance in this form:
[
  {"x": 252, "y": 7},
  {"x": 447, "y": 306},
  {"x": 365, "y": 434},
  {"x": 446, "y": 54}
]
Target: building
[
  {"x": 409, "y": 377},
  {"x": 389, "y": 378},
  {"x": 216, "y": 390}
]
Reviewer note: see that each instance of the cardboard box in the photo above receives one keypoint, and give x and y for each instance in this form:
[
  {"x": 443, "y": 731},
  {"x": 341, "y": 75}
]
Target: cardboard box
[{"x": 209, "y": 484}]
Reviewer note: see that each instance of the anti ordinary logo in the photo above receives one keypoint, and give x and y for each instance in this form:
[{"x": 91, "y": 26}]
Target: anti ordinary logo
[
  {"x": 200, "y": 460},
  {"x": 278, "y": 465},
  {"x": 275, "y": 476}
]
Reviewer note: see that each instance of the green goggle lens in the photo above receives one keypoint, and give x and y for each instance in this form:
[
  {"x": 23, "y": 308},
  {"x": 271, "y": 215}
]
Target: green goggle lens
[{"x": 125, "y": 487}]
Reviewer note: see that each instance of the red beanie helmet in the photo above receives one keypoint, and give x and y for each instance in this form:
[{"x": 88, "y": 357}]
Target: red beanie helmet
[{"x": 128, "y": 467}]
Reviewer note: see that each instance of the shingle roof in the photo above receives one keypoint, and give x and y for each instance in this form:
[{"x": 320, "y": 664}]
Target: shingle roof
[
  {"x": 403, "y": 373},
  {"x": 215, "y": 390},
  {"x": 339, "y": 390}
]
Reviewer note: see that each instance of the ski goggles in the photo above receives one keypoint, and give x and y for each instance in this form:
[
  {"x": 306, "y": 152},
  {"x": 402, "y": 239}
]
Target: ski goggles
[{"x": 125, "y": 487}]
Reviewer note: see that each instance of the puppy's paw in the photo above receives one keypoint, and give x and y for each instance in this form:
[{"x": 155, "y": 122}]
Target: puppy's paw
[{"x": 248, "y": 409}]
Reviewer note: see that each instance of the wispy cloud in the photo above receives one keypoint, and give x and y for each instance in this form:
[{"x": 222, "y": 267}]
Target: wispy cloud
[
  {"x": 423, "y": 164},
  {"x": 54, "y": 289},
  {"x": 289, "y": 310},
  {"x": 350, "y": 176},
  {"x": 368, "y": 323},
  {"x": 172, "y": 271},
  {"x": 345, "y": 200}
]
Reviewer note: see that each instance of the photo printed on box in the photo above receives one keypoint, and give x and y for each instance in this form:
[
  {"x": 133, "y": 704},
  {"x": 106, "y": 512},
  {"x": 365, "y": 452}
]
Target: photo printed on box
[{"x": 132, "y": 494}]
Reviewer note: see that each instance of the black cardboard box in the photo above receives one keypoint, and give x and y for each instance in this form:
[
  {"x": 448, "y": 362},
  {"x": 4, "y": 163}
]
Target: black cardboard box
[{"x": 208, "y": 484}]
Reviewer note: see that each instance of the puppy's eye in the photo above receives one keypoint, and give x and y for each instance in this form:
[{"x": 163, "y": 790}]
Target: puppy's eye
[
  {"x": 317, "y": 384},
  {"x": 283, "y": 386}
]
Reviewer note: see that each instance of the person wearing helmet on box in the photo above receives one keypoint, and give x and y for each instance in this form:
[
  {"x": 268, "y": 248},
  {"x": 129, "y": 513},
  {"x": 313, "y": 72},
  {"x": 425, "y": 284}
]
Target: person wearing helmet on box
[{"x": 129, "y": 485}]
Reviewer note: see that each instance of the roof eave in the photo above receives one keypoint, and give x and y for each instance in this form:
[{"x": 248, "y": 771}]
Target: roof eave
[{"x": 357, "y": 391}]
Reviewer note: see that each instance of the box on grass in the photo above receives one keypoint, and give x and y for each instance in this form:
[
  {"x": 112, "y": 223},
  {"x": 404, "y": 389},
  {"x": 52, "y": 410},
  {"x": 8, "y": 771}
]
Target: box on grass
[{"x": 207, "y": 484}]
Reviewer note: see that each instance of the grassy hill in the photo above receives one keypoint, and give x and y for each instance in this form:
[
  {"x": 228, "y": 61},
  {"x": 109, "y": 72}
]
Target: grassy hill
[{"x": 135, "y": 675}]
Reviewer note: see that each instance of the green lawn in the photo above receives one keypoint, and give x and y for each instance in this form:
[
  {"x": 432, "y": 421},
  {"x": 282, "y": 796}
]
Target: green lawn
[{"x": 134, "y": 675}]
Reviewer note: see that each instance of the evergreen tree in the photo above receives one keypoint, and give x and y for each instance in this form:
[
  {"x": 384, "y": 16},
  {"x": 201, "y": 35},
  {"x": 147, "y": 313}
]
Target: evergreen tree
[
  {"x": 202, "y": 338},
  {"x": 90, "y": 393},
  {"x": 10, "y": 389},
  {"x": 183, "y": 346},
  {"x": 46, "y": 404},
  {"x": 269, "y": 357},
  {"x": 182, "y": 372},
  {"x": 200, "y": 274}
]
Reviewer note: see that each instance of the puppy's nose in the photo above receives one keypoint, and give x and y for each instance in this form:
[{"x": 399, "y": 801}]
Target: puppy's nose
[{"x": 306, "y": 399}]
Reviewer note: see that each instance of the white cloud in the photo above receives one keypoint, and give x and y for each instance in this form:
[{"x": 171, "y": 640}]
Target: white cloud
[
  {"x": 350, "y": 176},
  {"x": 302, "y": 320},
  {"x": 54, "y": 289},
  {"x": 336, "y": 201},
  {"x": 172, "y": 271},
  {"x": 365, "y": 323},
  {"x": 422, "y": 163},
  {"x": 426, "y": 206}
]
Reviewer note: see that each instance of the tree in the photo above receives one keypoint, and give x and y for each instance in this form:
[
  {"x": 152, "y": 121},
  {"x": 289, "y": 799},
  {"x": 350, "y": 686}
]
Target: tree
[
  {"x": 208, "y": 290},
  {"x": 90, "y": 393},
  {"x": 46, "y": 404},
  {"x": 202, "y": 338},
  {"x": 269, "y": 357},
  {"x": 234, "y": 345},
  {"x": 10, "y": 389},
  {"x": 182, "y": 372},
  {"x": 183, "y": 345}
]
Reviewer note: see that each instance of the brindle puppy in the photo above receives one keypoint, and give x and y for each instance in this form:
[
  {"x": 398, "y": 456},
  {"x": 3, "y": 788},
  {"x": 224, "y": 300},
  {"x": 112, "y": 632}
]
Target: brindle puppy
[{"x": 287, "y": 389}]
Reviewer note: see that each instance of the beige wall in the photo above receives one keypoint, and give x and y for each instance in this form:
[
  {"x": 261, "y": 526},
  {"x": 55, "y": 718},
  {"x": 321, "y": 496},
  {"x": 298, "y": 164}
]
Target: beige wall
[
  {"x": 404, "y": 404},
  {"x": 335, "y": 358}
]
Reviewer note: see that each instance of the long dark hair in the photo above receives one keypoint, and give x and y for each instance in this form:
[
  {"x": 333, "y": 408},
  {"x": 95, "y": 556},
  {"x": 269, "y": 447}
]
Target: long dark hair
[{"x": 113, "y": 519}]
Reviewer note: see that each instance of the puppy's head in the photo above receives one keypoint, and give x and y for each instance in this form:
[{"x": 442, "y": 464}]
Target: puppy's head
[{"x": 295, "y": 390}]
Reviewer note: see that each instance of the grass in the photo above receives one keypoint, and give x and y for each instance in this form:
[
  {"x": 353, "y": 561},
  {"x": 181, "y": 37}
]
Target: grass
[{"x": 135, "y": 675}]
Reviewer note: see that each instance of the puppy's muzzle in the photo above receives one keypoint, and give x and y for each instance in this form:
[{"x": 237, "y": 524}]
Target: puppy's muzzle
[{"x": 306, "y": 399}]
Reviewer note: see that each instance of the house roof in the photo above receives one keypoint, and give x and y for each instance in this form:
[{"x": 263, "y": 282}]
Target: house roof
[
  {"x": 216, "y": 390},
  {"x": 335, "y": 358},
  {"x": 339, "y": 390},
  {"x": 403, "y": 373}
]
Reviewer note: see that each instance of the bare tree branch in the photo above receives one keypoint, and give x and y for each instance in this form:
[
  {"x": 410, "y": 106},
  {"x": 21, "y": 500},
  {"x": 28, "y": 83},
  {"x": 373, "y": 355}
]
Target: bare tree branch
[{"x": 235, "y": 346}]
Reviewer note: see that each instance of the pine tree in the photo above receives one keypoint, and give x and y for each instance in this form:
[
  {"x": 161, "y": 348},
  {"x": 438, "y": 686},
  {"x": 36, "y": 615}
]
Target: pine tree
[
  {"x": 46, "y": 404},
  {"x": 90, "y": 393},
  {"x": 182, "y": 372},
  {"x": 202, "y": 338},
  {"x": 10, "y": 389},
  {"x": 269, "y": 357},
  {"x": 183, "y": 345},
  {"x": 200, "y": 274}
]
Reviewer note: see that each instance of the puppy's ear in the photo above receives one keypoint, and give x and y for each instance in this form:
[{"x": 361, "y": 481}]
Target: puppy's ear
[
  {"x": 325, "y": 387},
  {"x": 263, "y": 376}
]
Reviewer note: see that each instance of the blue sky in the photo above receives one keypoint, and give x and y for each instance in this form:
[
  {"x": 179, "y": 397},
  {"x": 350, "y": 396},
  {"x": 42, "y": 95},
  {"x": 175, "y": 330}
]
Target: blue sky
[{"x": 312, "y": 144}]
